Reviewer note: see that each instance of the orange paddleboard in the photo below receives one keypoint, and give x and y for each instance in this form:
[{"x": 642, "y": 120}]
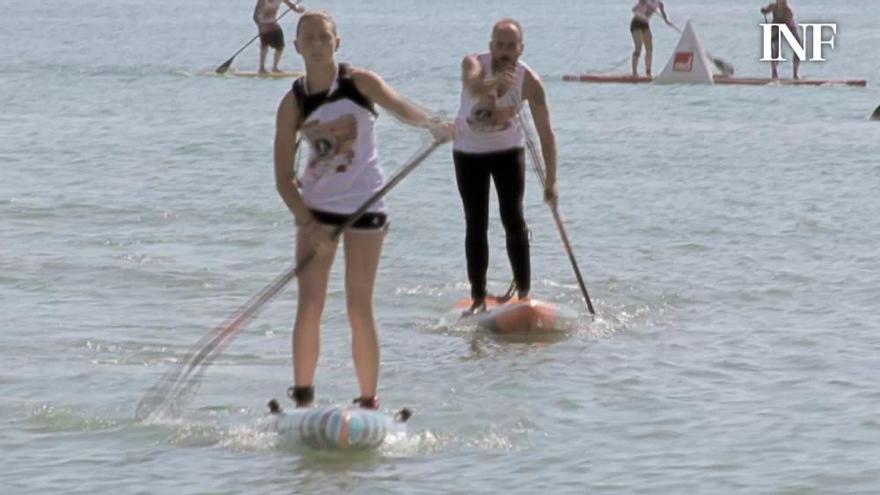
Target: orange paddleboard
[{"x": 513, "y": 316}]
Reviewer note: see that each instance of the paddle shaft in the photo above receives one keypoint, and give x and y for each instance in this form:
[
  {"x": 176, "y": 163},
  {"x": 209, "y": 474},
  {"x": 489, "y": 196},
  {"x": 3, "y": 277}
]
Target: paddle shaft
[
  {"x": 539, "y": 170},
  {"x": 354, "y": 217},
  {"x": 209, "y": 346},
  {"x": 225, "y": 65},
  {"x": 253, "y": 307}
]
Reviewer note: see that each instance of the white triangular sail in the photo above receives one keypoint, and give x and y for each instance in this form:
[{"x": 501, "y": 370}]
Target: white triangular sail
[{"x": 689, "y": 63}]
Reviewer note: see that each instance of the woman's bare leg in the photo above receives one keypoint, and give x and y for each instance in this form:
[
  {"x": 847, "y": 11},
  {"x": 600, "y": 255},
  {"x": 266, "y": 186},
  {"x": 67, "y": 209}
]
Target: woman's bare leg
[
  {"x": 312, "y": 283},
  {"x": 363, "y": 249}
]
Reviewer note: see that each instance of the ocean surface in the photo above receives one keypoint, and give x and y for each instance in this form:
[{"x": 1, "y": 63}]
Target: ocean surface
[{"x": 729, "y": 237}]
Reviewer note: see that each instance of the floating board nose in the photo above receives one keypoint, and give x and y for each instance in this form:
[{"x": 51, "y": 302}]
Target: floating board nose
[
  {"x": 530, "y": 316},
  {"x": 337, "y": 427}
]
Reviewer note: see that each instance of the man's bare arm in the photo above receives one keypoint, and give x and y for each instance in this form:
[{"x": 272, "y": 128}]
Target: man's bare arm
[{"x": 533, "y": 92}]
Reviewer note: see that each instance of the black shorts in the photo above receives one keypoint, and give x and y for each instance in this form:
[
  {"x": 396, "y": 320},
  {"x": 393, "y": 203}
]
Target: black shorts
[
  {"x": 367, "y": 221},
  {"x": 638, "y": 24},
  {"x": 274, "y": 37}
]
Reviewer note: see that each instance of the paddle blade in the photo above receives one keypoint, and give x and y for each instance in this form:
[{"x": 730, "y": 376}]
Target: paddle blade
[
  {"x": 723, "y": 66},
  {"x": 225, "y": 67}
]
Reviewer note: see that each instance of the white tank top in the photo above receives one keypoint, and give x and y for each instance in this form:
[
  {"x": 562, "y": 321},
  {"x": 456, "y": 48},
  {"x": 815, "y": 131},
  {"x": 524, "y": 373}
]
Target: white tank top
[
  {"x": 489, "y": 124},
  {"x": 342, "y": 170},
  {"x": 647, "y": 8}
]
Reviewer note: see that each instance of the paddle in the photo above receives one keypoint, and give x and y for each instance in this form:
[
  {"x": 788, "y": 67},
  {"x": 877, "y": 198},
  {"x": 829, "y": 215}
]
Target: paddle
[
  {"x": 181, "y": 379},
  {"x": 225, "y": 65},
  {"x": 538, "y": 164},
  {"x": 725, "y": 67}
]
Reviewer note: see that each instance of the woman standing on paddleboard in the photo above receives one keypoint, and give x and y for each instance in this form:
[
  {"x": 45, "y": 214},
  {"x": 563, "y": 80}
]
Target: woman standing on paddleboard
[
  {"x": 640, "y": 29},
  {"x": 332, "y": 108}
]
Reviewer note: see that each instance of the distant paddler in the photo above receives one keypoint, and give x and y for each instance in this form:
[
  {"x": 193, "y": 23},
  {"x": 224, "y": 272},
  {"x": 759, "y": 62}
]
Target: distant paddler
[
  {"x": 782, "y": 14},
  {"x": 271, "y": 34},
  {"x": 640, "y": 29}
]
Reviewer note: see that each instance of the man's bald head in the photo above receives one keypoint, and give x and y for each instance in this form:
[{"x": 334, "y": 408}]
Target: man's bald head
[
  {"x": 506, "y": 45},
  {"x": 507, "y": 25}
]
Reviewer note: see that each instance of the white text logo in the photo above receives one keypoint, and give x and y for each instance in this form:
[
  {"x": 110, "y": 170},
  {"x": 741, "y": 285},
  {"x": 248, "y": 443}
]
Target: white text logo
[{"x": 798, "y": 47}]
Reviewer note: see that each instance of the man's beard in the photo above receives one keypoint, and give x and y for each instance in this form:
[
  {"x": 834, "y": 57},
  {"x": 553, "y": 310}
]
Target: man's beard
[{"x": 503, "y": 63}]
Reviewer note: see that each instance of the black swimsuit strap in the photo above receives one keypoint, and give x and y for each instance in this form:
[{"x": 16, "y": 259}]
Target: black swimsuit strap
[{"x": 345, "y": 89}]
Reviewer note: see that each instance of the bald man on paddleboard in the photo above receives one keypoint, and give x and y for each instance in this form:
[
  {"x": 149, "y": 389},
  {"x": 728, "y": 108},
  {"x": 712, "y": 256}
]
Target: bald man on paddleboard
[{"x": 488, "y": 147}]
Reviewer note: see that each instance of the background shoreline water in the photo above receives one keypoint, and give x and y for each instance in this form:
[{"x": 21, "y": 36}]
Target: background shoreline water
[{"x": 728, "y": 236}]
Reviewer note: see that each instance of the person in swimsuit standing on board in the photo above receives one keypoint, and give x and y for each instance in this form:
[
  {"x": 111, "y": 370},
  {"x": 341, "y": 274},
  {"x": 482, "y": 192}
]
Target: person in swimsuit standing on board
[{"x": 640, "y": 29}]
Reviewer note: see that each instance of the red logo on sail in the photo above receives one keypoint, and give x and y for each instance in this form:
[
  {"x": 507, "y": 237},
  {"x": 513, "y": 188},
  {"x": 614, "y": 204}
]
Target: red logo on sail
[{"x": 684, "y": 62}]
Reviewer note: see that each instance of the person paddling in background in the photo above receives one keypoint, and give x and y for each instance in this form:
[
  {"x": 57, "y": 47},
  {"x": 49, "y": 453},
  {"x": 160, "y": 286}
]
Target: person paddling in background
[
  {"x": 782, "y": 14},
  {"x": 640, "y": 29},
  {"x": 488, "y": 146},
  {"x": 332, "y": 108},
  {"x": 271, "y": 34}
]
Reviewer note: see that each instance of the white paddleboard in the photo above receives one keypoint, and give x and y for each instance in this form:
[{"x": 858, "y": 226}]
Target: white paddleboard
[{"x": 336, "y": 427}]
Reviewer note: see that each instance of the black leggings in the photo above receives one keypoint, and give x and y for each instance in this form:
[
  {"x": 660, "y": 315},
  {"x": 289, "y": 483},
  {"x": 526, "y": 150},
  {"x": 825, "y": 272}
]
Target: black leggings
[{"x": 507, "y": 169}]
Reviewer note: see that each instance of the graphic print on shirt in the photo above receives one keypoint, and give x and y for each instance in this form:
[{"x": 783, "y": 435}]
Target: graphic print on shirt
[
  {"x": 492, "y": 114},
  {"x": 332, "y": 145}
]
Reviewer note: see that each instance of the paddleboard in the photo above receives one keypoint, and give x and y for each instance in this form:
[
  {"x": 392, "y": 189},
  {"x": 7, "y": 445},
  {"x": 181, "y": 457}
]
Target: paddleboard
[
  {"x": 335, "y": 427},
  {"x": 741, "y": 81},
  {"x": 267, "y": 75},
  {"x": 607, "y": 78},
  {"x": 513, "y": 316},
  {"x": 761, "y": 81}
]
